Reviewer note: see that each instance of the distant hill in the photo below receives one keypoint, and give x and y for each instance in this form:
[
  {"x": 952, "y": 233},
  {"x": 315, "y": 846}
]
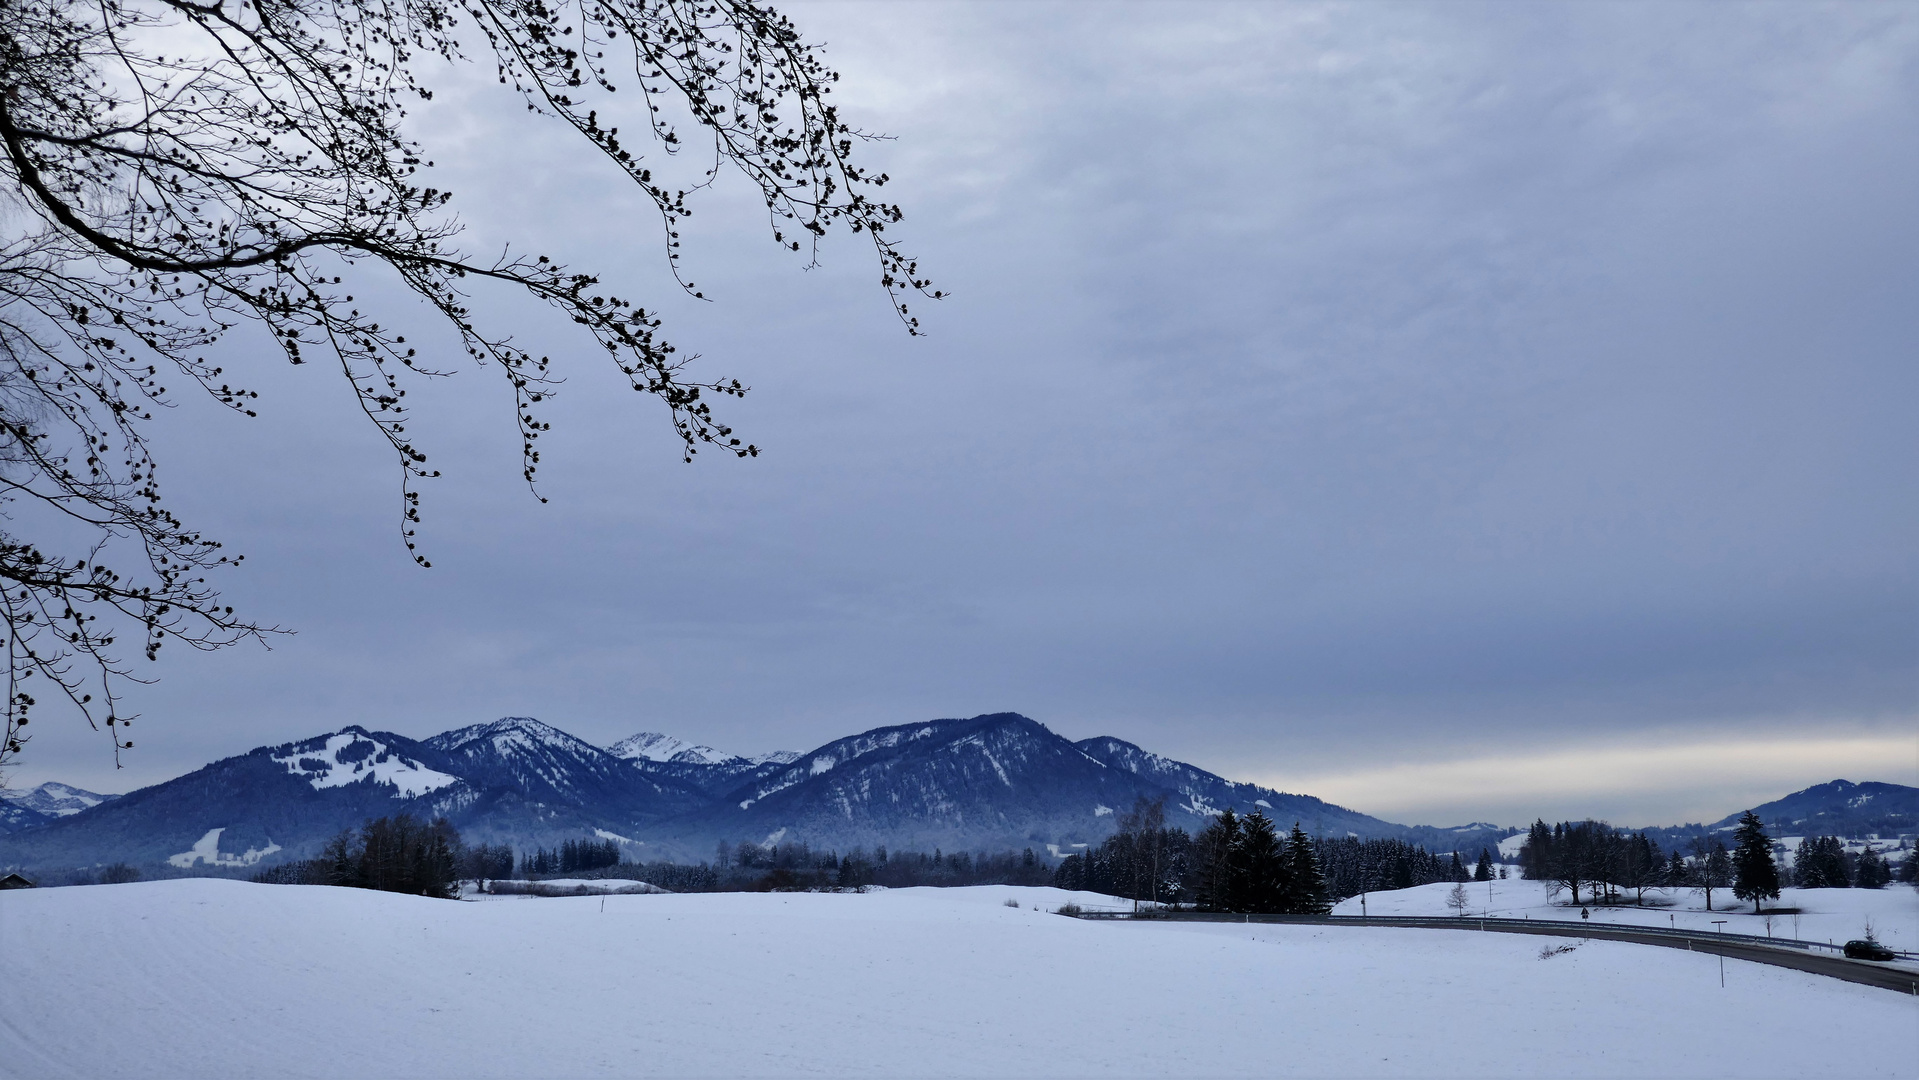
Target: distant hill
[
  {"x": 15, "y": 817},
  {"x": 994, "y": 781},
  {"x": 991, "y": 782},
  {"x": 39, "y": 805},
  {"x": 1835, "y": 808},
  {"x": 1838, "y": 808},
  {"x": 56, "y": 800},
  {"x": 711, "y": 771}
]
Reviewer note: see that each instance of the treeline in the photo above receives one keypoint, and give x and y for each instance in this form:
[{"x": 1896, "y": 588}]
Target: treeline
[
  {"x": 573, "y": 856},
  {"x": 392, "y": 854},
  {"x": 797, "y": 866},
  {"x": 1594, "y": 860},
  {"x": 1235, "y": 864},
  {"x": 1354, "y": 866},
  {"x": 1822, "y": 862}
]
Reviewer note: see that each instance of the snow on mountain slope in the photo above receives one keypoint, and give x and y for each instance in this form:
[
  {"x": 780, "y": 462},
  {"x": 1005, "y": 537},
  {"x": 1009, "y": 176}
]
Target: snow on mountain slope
[
  {"x": 207, "y": 851},
  {"x": 653, "y": 746},
  {"x": 1839, "y": 807},
  {"x": 994, "y": 781},
  {"x": 352, "y": 756},
  {"x": 15, "y": 817},
  {"x": 541, "y": 765},
  {"x": 55, "y": 799},
  {"x": 535, "y": 757},
  {"x": 229, "y": 979}
]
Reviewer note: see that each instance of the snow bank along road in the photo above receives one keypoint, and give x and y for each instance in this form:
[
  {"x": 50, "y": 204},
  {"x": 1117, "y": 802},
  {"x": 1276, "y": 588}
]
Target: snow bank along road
[
  {"x": 1902, "y": 977},
  {"x": 1822, "y": 915},
  {"x": 221, "y": 978}
]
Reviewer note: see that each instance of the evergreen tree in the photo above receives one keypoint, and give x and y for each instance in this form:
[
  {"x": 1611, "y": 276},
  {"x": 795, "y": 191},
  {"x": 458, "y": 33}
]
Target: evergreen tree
[
  {"x": 1263, "y": 875},
  {"x": 1456, "y": 871},
  {"x": 1484, "y": 871},
  {"x": 1678, "y": 874},
  {"x": 1218, "y": 863},
  {"x": 340, "y": 861},
  {"x": 1820, "y": 863},
  {"x": 1872, "y": 872},
  {"x": 1536, "y": 861},
  {"x": 1305, "y": 880},
  {"x": 1755, "y": 877}
]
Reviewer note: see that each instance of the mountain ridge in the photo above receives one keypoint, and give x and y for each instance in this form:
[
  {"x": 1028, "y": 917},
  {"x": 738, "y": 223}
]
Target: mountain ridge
[{"x": 991, "y": 781}]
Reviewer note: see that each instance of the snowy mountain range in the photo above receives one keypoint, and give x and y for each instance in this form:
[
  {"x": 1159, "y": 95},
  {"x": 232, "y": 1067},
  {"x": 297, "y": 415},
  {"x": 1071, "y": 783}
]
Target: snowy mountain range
[
  {"x": 39, "y": 805},
  {"x": 991, "y": 782}
]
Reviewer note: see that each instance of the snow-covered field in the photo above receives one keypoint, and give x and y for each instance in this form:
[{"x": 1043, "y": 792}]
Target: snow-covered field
[
  {"x": 1835, "y": 915},
  {"x": 211, "y": 978}
]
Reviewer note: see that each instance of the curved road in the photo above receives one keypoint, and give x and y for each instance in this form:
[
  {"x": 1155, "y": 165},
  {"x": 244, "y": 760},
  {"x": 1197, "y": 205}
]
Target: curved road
[{"x": 1864, "y": 972}]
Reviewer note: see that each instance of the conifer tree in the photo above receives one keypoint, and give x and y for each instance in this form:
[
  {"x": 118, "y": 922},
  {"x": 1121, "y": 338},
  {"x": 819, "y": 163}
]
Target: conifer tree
[
  {"x": 1484, "y": 871},
  {"x": 1536, "y": 854},
  {"x": 1263, "y": 874},
  {"x": 1677, "y": 874},
  {"x": 1218, "y": 861},
  {"x": 1305, "y": 880},
  {"x": 1820, "y": 863},
  {"x": 1755, "y": 877}
]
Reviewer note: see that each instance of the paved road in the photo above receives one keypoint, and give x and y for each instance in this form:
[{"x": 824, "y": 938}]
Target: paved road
[{"x": 1865, "y": 972}]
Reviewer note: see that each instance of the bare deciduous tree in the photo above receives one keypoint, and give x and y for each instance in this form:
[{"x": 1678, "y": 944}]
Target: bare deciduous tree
[{"x": 177, "y": 169}]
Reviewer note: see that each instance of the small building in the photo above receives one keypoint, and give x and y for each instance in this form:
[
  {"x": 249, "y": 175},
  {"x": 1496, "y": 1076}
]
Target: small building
[{"x": 15, "y": 881}]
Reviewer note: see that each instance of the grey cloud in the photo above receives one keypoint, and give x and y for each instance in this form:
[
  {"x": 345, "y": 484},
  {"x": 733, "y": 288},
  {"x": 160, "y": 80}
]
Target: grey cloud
[{"x": 1319, "y": 384}]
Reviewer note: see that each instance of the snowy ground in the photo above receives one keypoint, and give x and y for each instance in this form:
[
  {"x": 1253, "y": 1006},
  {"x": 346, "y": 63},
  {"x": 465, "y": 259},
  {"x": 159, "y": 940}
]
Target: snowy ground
[
  {"x": 211, "y": 978},
  {"x": 1835, "y": 915}
]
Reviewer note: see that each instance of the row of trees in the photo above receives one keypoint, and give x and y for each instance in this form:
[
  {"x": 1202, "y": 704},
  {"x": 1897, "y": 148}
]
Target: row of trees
[
  {"x": 573, "y": 856},
  {"x": 1354, "y": 866},
  {"x": 749, "y": 867},
  {"x": 1600, "y": 860},
  {"x": 1144, "y": 860},
  {"x": 392, "y": 854},
  {"x": 1235, "y": 864},
  {"x": 1245, "y": 865},
  {"x": 1604, "y": 862},
  {"x": 1822, "y": 862}
]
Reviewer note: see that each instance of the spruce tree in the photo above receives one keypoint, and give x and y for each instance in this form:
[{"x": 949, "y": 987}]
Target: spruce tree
[
  {"x": 1678, "y": 874},
  {"x": 1484, "y": 871},
  {"x": 1218, "y": 859},
  {"x": 1536, "y": 854},
  {"x": 1872, "y": 872},
  {"x": 1263, "y": 873},
  {"x": 1755, "y": 878},
  {"x": 1305, "y": 880}
]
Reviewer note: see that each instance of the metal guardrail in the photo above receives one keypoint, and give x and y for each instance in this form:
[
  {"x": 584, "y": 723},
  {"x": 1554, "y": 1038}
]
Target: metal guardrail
[{"x": 1468, "y": 922}]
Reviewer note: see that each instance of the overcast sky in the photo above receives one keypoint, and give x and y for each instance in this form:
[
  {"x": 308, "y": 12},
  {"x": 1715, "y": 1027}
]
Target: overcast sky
[{"x": 1456, "y": 412}]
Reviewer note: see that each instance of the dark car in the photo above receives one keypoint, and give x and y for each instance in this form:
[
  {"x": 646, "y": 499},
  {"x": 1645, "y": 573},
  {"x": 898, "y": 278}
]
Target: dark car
[{"x": 1868, "y": 950}]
